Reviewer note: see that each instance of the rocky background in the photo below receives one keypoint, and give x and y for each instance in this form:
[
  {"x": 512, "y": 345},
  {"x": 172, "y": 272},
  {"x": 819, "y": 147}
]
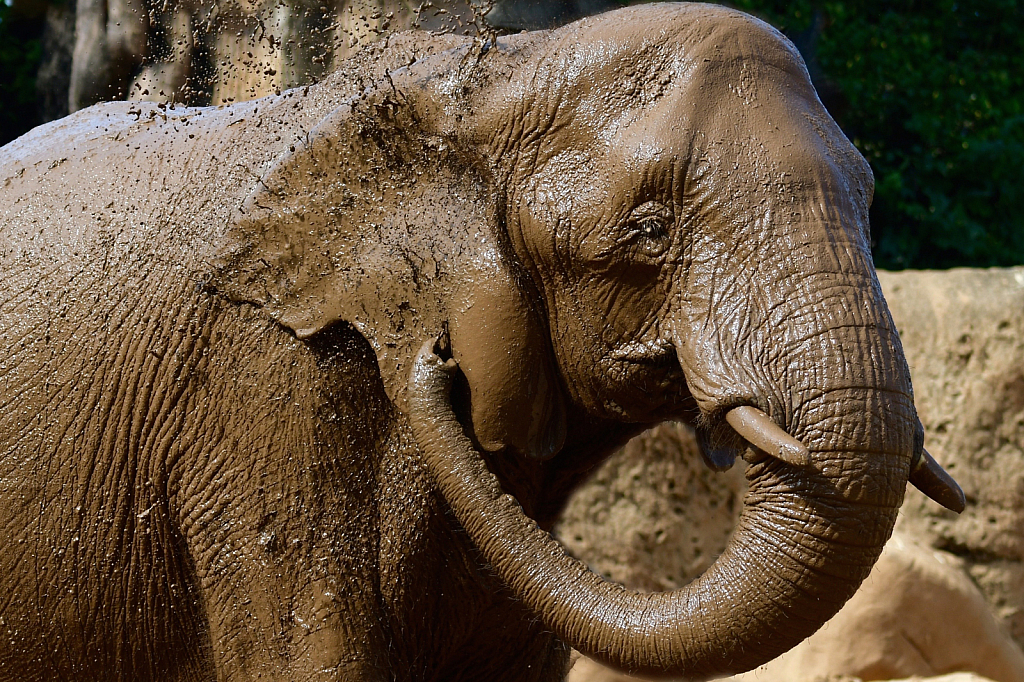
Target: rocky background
[{"x": 948, "y": 593}]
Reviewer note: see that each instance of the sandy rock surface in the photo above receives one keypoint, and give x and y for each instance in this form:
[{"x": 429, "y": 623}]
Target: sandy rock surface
[
  {"x": 654, "y": 517},
  {"x": 963, "y": 333}
]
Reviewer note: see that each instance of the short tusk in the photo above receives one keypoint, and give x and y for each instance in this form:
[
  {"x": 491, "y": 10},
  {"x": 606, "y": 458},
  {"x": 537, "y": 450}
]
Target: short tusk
[
  {"x": 929, "y": 477},
  {"x": 761, "y": 432}
]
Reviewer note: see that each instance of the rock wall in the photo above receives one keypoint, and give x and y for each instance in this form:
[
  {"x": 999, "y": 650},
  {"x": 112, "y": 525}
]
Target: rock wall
[
  {"x": 653, "y": 517},
  {"x": 963, "y": 333},
  {"x": 219, "y": 51}
]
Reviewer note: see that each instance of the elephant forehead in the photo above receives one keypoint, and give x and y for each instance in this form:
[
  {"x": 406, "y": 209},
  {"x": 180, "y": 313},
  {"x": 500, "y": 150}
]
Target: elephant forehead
[
  {"x": 663, "y": 73},
  {"x": 633, "y": 54}
]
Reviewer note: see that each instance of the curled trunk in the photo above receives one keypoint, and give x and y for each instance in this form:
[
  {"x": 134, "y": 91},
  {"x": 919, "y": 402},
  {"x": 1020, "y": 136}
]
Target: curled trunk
[{"x": 795, "y": 558}]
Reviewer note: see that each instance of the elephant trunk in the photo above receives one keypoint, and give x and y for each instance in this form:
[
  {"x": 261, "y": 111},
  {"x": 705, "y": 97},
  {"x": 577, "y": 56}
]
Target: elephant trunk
[{"x": 806, "y": 539}]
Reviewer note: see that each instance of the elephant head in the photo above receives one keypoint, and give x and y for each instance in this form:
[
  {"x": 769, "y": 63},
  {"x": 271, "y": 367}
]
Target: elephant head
[{"x": 644, "y": 215}]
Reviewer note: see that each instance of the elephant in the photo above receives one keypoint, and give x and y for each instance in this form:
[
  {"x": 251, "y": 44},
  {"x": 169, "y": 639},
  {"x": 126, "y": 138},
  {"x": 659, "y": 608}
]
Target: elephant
[{"x": 294, "y": 388}]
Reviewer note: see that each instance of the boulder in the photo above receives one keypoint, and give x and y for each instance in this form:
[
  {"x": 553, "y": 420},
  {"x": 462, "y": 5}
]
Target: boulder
[
  {"x": 918, "y": 613},
  {"x": 587, "y": 670},
  {"x": 963, "y": 333},
  {"x": 954, "y": 677}
]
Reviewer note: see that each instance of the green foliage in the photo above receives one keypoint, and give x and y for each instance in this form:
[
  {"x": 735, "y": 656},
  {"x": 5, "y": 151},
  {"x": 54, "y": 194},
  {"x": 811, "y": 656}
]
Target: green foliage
[
  {"x": 20, "y": 53},
  {"x": 932, "y": 93}
]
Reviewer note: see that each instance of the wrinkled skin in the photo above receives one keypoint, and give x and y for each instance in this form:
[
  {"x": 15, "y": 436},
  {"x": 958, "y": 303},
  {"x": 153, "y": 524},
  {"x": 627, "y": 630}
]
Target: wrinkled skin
[{"x": 214, "y": 465}]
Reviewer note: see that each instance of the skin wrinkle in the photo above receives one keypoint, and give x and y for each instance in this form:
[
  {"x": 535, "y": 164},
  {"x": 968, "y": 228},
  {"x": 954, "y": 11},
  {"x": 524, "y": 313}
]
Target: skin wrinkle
[
  {"x": 794, "y": 586},
  {"x": 800, "y": 340},
  {"x": 781, "y": 544},
  {"x": 533, "y": 140},
  {"x": 758, "y": 614}
]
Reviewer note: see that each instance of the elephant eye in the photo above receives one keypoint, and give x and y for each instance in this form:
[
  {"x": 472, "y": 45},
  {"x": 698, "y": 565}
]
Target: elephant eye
[{"x": 649, "y": 225}]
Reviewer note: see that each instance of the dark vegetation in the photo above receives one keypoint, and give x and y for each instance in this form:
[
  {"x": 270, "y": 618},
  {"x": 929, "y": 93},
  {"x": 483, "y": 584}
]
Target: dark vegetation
[
  {"x": 21, "y": 51},
  {"x": 932, "y": 92}
]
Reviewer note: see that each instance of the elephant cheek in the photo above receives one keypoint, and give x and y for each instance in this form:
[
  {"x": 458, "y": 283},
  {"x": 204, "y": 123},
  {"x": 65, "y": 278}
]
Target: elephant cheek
[{"x": 515, "y": 400}]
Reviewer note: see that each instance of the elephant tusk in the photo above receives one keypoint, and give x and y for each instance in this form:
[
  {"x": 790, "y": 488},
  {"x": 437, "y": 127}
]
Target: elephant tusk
[
  {"x": 930, "y": 478},
  {"x": 761, "y": 432}
]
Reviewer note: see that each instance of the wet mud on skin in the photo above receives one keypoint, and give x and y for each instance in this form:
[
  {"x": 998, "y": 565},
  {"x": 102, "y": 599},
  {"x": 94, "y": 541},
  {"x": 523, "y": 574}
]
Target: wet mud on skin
[{"x": 228, "y": 449}]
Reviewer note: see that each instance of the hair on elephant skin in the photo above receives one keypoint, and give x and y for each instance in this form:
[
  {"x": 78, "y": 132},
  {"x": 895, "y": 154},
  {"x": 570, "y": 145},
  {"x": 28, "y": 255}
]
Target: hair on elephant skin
[{"x": 292, "y": 389}]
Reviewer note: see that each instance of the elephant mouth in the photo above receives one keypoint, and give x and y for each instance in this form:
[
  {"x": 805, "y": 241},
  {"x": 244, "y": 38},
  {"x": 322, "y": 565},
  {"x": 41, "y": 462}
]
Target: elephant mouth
[
  {"x": 647, "y": 377},
  {"x": 644, "y": 352}
]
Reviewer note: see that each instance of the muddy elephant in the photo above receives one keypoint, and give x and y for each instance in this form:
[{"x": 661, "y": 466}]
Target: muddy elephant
[{"x": 291, "y": 389}]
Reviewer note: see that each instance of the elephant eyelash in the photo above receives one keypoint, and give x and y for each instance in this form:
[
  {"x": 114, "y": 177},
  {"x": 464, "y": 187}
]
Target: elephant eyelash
[
  {"x": 651, "y": 235},
  {"x": 652, "y": 227}
]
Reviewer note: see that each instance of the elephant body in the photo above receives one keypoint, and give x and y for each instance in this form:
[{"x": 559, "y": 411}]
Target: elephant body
[
  {"x": 292, "y": 388},
  {"x": 187, "y": 488}
]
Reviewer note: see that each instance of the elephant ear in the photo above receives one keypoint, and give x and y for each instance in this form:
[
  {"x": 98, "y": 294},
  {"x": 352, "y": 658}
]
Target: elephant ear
[{"x": 375, "y": 222}]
